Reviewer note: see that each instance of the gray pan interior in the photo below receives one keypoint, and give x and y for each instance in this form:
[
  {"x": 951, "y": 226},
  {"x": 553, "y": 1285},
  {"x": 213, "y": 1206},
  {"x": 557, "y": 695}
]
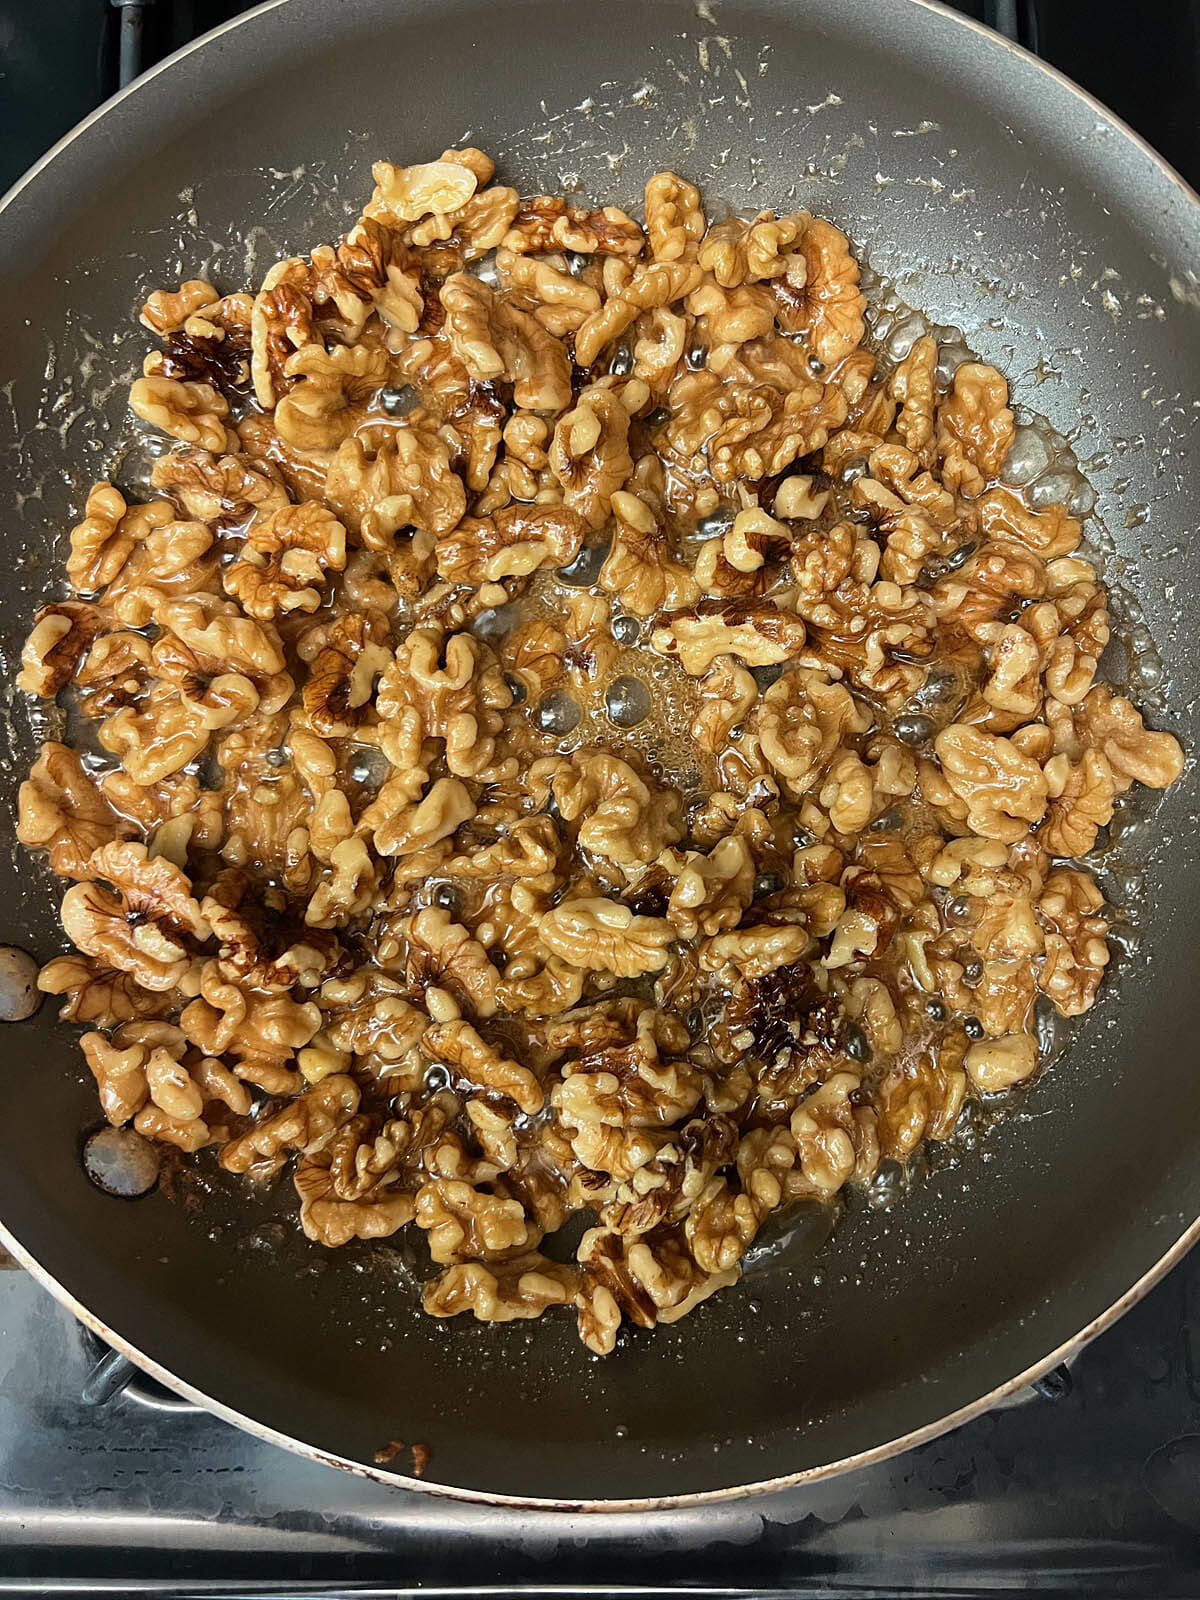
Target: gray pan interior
[{"x": 1001, "y": 200}]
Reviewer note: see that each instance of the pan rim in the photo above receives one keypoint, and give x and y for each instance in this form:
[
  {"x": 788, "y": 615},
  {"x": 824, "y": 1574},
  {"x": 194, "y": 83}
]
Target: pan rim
[{"x": 875, "y": 1454}]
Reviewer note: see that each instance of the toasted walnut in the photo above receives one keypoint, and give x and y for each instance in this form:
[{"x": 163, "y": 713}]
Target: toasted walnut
[
  {"x": 495, "y": 339},
  {"x": 559, "y": 301},
  {"x": 627, "y": 1086},
  {"x": 712, "y": 891},
  {"x": 530, "y": 849},
  {"x": 649, "y": 1279},
  {"x": 192, "y": 412},
  {"x": 400, "y": 829},
  {"x": 287, "y": 560},
  {"x": 341, "y": 680},
  {"x": 95, "y": 993},
  {"x": 407, "y": 480},
  {"x": 120, "y": 1076},
  {"x": 246, "y": 1023},
  {"x": 406, "y": 194},
  {"x": 756, "y": 417},
  {"x": 617, "y": 814},
  {"x": 911, "y": 533},
  {"x": 974, "y": 428},
  {"x": 166, "y": 310},
  {"x": 756, "y": 632},
  {"x": 507, "y": 1291},
  {"x": 818, "y": 295},
  {"x": 1081, "y": 796},
  {"x": 477, "y": 226},
  {"x": 147, "y": 924},
  {"x": 604, "y": 936},
  {"x": 170, "y": 559},
  {"x": 738, "y": 252},
  {"x": 590, "y": 453},
  {"x": 302, "y": 1124},
  {"x": 440, "y": 687},
  {"x": 1071, "y": 910},
  {"x": 723, "y": 1222},
  {"x": 347, "y": 1188},
  {"x": 439, "y": 951},
  {"x": 465, "y": 1223},
  {"x": 1134, "y": 754},
  {"x": 820, "y": 562},
  {"x": 257, "y": 946},
  {"x": 922, "y": 1102},
  {"x": 330, "y": 394},
  {"x": 848, "y": 793},
  {"x": 367, "y": 1015},
  {"x": 800, "y": 722},
  {"x": 1004, "y": 791},
  {"x": 62, "y": 635},
  {"x": 656, "y": 284},
  {"x": 478, "y": 1067},
  {"x": 727, "y": 692},
  {"x": 141, "y": 1076},
  {"x": 546, "y": 224},
  {"x": 512, "y": 542},
  {"x": 641, "y": 569},
  {"x": 535, "y": 654},
  {"x": 370, "y": 268},
  {"x": 105, "y": 539},
  {"x": 591, "y": 650},
  {"x": 216, "y": 629},
  {"x": 730, "y": 318},
  {"x": 664, "y": 1191},
  {"x": 996, "y": 1064},
  {"x": 870, "y": 1003},
  {"x": 991, "y": 583},
  {"x": 1004, "y": 515},
  {"x": 835, "y": 1140},
  {"x": 754, "y": 952},
  {"x": 61, "y": 810},
  {"x": 281, "y": 322},
  {"x": 659, "y": 345},
  {"x": 798, "y": 498},
  {"x": 914, "y": 384},
  {"x": 675, "y": 220}
]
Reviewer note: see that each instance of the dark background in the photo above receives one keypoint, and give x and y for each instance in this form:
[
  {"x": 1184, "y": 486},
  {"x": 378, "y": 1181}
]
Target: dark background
[{"x": 58, "y": 60}]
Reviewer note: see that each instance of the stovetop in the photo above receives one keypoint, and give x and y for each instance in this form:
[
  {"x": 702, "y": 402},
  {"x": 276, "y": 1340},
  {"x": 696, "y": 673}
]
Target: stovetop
[{"x": 1089, "y": 1487}]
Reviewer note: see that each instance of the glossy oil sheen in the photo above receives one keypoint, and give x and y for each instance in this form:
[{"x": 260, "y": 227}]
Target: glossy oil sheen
[{"x": 998, "y": 201}]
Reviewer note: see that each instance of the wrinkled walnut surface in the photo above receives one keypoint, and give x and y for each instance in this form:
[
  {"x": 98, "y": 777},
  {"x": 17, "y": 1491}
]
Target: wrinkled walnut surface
[{"x": 377, "y": 872}]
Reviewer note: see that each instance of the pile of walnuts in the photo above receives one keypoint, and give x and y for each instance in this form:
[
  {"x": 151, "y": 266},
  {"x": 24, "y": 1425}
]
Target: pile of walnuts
[{"x": 370, "y": 882}]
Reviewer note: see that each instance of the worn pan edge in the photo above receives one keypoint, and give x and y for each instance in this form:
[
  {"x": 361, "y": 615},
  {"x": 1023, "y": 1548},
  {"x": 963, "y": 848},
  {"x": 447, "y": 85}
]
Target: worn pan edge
[{"x": 862, "y": 1459}]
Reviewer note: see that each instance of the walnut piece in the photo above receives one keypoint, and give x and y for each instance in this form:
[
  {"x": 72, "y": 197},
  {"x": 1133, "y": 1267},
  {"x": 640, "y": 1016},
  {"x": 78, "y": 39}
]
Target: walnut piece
[
  {"x": 974, "y": 428},
  {"x": 818, "y": 294},
  {"x": 602, "y": 936},
  {"x": 1003, "y": 790},
  {"x": 147, "y": 924}
]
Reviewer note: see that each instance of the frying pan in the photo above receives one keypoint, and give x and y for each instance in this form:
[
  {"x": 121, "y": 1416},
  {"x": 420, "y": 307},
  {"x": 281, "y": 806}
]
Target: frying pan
[{"x": 999, "y": 198}]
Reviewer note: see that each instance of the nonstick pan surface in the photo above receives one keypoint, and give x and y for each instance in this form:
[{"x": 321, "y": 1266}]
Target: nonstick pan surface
[{"x": 998, "y": 198}]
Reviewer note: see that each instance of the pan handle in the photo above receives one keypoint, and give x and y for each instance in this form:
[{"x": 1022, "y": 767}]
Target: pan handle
[
  {"x": 1015, "y": 19},
  {"x": 131, "y": 51},
  {"x": 114, "y": 1373},
  {"x": 106, "y": 1379}
]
